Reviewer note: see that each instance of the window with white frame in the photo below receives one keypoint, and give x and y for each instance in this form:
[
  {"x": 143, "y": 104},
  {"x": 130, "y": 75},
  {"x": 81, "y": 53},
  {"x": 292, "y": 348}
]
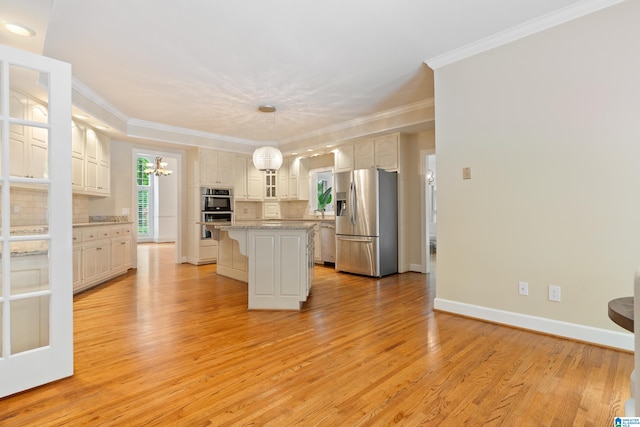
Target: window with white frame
[{"x": 321, "y": 191}]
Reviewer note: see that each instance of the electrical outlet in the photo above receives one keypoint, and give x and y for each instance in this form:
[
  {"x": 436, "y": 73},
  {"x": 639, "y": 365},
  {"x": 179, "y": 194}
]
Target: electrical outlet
[
  {"x": 554, "y": 293},
  {"x": 523, "y": 288}
]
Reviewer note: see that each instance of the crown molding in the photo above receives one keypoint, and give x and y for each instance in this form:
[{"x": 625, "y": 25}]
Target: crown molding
[
  {"x": 175, "y": 130},
  {"x": 99, "y": 101},
  {"x": 404, "y": 109},
  {"x": 528, "y": 28}
]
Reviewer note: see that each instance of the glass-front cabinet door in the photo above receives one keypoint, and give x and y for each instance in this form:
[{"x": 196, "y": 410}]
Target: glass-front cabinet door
[{"x": 36, "y": 319}]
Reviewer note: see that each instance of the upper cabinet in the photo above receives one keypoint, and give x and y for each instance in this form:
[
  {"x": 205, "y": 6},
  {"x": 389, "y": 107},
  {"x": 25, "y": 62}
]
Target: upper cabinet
[
  {"x": 381, "y": 152},
  {"x": 364, "y": 154},
  {"x": 283, "y": 180},
  {"x": 97, "y": 163},
  {"x": 78, "y": 144},
  {"x": 240, "y": 178},
  {"x": 28, "y": 141},
  {"x": 386, "y": 151},
  {"x": 255, "y": 179},
  {"x": 298, "y": 180},
  {"x": 343, "y": 158},
  {"x": 216, "y": 168}
]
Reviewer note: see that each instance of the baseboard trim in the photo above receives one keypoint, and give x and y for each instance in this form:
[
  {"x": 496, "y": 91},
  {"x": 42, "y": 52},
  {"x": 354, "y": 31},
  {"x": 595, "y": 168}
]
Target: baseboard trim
[
  {"x": 415, "y": 267},
  {"x": 574, "y": 331}
]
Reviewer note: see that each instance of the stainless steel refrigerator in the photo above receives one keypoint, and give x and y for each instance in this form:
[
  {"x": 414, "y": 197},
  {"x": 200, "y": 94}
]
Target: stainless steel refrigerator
[{"x": 367, "y": 222}]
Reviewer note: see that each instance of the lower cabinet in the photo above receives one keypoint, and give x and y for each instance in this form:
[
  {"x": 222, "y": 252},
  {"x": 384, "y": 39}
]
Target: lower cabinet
[
  {"x": 317, "y": 243},
  {"x": 98, "y": 256}
]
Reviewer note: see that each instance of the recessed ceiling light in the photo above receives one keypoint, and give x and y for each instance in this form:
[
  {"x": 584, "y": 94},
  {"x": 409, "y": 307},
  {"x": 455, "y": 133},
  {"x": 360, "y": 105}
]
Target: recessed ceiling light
[{"x": 18, "y": 29}]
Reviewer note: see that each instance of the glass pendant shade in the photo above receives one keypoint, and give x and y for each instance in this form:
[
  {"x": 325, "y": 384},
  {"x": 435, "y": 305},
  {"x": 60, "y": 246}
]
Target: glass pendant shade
[{"x": 267, "y": 159}]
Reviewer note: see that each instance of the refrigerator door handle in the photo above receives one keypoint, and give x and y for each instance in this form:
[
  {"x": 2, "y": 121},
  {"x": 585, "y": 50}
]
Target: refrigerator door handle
[
  {"x": 355, "y": 239},
  {"x": 352, "y": 196}
]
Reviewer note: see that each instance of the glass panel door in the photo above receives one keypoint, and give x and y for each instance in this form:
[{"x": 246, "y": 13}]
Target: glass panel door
[{"x": 36, "y": 301}]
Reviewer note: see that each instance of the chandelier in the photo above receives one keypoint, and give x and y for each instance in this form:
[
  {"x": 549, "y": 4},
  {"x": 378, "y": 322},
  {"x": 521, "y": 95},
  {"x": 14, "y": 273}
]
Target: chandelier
[
  {"x": 267, "y": 158},
  {"x": 158, "y": 169}
]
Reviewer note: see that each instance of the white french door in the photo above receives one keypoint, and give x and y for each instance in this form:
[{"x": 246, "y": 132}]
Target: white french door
[{"x": 36, "y": 296}]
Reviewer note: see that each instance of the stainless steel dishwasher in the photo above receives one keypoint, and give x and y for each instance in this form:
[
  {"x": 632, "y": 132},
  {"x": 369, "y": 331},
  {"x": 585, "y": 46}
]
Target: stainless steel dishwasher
[{"x": 328, "y": 242}]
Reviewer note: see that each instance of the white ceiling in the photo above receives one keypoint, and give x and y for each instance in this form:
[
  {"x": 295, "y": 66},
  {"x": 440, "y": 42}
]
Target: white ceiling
[{"x": 205, "y": 65}]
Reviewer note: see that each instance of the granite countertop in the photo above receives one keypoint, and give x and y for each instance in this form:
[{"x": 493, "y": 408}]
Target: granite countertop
[
  {"x": 91, "y": 224},
  {"x": 267, "y": 225},
  {"x": 311, "y": 219}
]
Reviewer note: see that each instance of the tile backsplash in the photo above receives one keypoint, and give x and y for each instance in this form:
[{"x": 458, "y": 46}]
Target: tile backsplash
[{"x": 29, "y": 207}]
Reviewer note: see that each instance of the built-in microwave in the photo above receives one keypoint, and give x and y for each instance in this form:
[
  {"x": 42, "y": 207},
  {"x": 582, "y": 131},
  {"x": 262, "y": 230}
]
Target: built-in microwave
[
  {"x": 214, "y": 217},
  {"x": 216, "y": 199}
]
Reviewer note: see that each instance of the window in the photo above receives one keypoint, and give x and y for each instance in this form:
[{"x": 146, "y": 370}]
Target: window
[
  {"x": 144, "y": 184},
  {"x": 321, "y": 192}
]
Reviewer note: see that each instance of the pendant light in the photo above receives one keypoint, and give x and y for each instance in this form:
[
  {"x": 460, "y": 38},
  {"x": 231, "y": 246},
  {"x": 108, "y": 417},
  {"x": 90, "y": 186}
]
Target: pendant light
[
  {"x": 267, "y": 158},
  {"x": 158, "y": 169}
]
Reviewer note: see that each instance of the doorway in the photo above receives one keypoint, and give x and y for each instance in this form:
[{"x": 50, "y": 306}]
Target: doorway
[
  {"x": 429, "y": 211},
  {"x": 157, "y": 199}
]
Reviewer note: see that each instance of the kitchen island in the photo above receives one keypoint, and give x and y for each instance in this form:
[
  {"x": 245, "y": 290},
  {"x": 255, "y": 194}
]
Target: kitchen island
[{"x": 280, "y": 261}]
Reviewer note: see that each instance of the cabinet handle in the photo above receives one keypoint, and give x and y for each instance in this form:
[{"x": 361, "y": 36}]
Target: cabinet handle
[
  {"x": 98, "y": 249},
  {"x": 123, "y": 243}
]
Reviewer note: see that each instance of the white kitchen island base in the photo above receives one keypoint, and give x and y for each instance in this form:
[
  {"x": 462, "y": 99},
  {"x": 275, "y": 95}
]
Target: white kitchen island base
[{"x": 281, "y": 263}]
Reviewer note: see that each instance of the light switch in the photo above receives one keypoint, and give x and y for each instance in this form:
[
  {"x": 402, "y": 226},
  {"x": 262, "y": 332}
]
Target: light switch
[{"x": 466, "y": 173}]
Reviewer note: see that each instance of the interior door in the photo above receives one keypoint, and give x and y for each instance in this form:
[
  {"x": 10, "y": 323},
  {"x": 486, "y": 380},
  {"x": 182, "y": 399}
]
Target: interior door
[{"x": 36, "y": 295}]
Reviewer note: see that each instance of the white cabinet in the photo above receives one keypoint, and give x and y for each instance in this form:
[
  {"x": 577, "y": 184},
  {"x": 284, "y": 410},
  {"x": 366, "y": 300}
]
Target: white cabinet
[
  {"x": 381, "y": 152},
  {"x": 364, "y": 154},
  {"x": 298, "y": 180},
  {"x": 90, "y": 161},
  {"x": 271, "y": 210},
  {"x": 386, "y": 151},
  {"x": 28, "y": 142},
  {"x": 78, "y": 156},
  {"x": 317, "y": 248},
  {"x": 270, "y": 185},
  {"x": 216, "y": 168},
  {"x": 343, "y": 158},
  {"x": 283, "y": 180},
  {"x": 96, "y": 262},
  {"x": 120, "y": 254},
  {"x": 77, "y": 259},
  {"x": 280, "y": 266},
  {"x": 208, "y": 251},
  {"x": 240, "y": 178},
  {"x": 255, "y": 180},
  {"x": 100, "y": 253},
  {"x": 248, "y": 181},
  {"x": 97, "y": 163}
]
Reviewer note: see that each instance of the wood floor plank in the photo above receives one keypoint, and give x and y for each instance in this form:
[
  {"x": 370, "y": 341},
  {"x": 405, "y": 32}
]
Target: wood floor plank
[{"x": 174, "y": 345}]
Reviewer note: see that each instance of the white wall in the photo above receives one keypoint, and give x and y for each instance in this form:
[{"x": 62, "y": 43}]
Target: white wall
[{"x": 550, "y": 128}]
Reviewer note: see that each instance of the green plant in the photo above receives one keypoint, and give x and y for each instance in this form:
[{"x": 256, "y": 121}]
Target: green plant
[{"x": 324, "y": 196}]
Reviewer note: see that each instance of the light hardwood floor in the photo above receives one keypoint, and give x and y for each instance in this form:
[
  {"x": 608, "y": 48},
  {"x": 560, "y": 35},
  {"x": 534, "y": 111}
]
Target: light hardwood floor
[{"x": 174, "y": 345}]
